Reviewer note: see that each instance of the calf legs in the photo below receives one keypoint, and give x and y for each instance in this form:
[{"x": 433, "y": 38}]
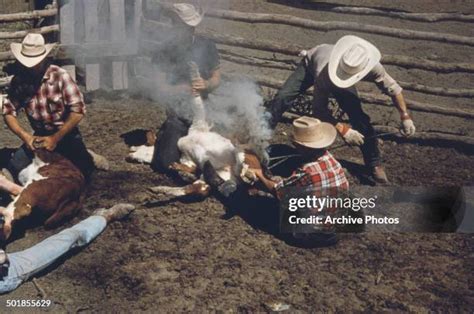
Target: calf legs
[
  {"x": 198, "y": 188},
  {"x": 63, "y": 213}
]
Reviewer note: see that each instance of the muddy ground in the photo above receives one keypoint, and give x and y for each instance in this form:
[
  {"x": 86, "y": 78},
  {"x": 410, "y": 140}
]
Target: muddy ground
[{"x": 185, "y": 256}]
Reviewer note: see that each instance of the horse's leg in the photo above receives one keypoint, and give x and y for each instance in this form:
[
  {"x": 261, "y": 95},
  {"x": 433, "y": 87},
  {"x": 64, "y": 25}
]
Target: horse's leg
[{"x": 186, "y": 172}]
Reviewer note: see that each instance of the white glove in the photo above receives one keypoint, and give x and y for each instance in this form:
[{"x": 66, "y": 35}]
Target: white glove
[
  {"x": 407, "y": 128},
  {"x": 353, "y": 137}
]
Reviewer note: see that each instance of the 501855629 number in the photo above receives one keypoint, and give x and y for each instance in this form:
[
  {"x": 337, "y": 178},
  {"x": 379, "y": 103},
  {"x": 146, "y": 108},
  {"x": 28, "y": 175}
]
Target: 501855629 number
[{"x": 28, "y": 303}]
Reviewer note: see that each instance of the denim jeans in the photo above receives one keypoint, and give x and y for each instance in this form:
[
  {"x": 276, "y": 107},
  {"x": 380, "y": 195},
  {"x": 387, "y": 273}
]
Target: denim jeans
[
  {"x": 166, "y": 146},
  {"x": 300, "y": 81},
  {"x": 71, "y": 147},
  {"x": 25, "y": 264}
]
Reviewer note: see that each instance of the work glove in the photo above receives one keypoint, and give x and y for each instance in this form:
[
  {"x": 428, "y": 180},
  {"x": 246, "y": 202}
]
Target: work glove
[
  {"x": 407, "y": 127},
  {"x": 353, "y": 137}
]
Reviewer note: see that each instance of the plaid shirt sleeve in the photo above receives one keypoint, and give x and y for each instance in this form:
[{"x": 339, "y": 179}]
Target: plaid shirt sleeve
[
  {"x": 8, "y": 107},
  {"x": 72, "y": 96}
]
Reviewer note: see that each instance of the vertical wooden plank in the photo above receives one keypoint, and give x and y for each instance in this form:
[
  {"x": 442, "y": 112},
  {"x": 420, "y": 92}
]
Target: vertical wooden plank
[
  {"x": 118, "y": 34},
  {"x": 138, "y": 19},
  {"x": 91, "y": 34},
  {"x": 67, "y": 20}
]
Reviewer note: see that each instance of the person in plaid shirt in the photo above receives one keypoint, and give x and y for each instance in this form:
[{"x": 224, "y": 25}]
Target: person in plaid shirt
[
  {"x": 320, "y": 170},
  {"x": 53, "y": 104},
  {"x": 320, "y": 173}
]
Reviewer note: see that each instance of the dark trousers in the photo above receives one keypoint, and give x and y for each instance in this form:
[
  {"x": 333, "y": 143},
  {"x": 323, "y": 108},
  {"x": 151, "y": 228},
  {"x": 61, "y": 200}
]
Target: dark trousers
[
  {"x": 300, "y": 81},
  {"x": 71, "y": 147},
  {"x": 166, "y": 146}
]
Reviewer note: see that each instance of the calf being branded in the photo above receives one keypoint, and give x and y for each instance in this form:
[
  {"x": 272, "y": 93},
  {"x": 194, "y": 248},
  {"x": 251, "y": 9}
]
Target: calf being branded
[{"x": 50, "y": 185}]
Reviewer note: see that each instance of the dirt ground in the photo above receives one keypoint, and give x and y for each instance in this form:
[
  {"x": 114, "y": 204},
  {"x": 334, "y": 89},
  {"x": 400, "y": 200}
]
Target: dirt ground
[{"x": 207, "y": 256}]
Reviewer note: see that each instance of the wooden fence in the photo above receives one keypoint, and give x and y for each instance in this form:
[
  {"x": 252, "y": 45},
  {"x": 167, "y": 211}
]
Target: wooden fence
[
  {"x": 98, "y": 36},
  {"x": 108, "y": 38}
]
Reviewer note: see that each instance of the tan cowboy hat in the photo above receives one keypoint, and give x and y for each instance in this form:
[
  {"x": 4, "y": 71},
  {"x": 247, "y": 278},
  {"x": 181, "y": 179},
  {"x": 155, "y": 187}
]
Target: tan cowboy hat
[
  {"x": 32, "y": 50},
  {"x": 188, "y": 13},
  {"x": 352, "y": 58},
  {"x": 312, "y": 133}
]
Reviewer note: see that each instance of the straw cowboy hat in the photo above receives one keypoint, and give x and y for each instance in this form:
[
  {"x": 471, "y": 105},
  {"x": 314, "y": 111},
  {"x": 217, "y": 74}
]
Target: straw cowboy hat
[
  {"x": 188, "y": 13},
  {"x": 312, "y": 133},
  {"x": 32, "y": 50},
  {"x": 351, "y": 59}
]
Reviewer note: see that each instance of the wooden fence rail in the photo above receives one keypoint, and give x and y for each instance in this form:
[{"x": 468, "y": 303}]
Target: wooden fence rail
[
  {"x": 439, "y": 91},
  {"x": 151, "y": 26},
  {"x": 338, "y": 25},
  {"x": 21, "y": 34},
  {"x": 418, "y": 17},
  {"x": 24, "y": 16}
]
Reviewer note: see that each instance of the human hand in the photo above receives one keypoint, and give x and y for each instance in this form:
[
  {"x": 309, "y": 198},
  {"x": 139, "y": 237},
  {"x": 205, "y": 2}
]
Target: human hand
[
  {"x": 29, "y": 142},
  {"x": 354, "y": 137},
  {"x": 199, "y": 85},
  {"x": 46, "y": 142},
  {"x": 407, "y": 127}
]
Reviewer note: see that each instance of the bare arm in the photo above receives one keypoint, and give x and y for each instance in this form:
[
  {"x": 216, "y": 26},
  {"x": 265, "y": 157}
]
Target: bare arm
[
  {"x": 13, "y": 124},
  {"x": 71, "y": 122},
  {"x": 400, "y": 104}
]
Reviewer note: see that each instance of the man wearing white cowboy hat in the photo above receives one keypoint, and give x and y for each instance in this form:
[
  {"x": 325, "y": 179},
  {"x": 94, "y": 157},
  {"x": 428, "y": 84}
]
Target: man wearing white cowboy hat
[
  {"x": 333, "y": 70},
  {"x": 175, "y": 83},
  {"x": 52, "y": 102}
]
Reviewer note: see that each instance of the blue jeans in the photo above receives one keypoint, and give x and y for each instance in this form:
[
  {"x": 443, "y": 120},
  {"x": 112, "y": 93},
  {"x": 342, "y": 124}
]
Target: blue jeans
[{"x": 25, "y": 264}]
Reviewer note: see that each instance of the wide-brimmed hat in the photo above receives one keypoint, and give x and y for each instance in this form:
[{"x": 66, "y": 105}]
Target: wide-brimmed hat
[
  {"x": 32, "y": 50},
  {"x": 352, "y": 58},
  {"x": 312, "y": 133},
  {"x": 188, "y": 13}
]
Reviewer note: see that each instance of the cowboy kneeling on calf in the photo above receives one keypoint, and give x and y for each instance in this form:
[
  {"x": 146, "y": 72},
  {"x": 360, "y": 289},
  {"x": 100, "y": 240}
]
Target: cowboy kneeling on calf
[
  {"x": 53, "y": 104},
  {"x": 333, "y": 70}
]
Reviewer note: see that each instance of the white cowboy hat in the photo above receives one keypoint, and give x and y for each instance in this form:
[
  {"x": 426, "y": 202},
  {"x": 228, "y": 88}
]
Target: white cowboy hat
[
  {"x": 352, "y": 58},
  {"x": 312, "y": 133},
  {"x": 188, "y": 13},
  {"x": 32, "y": 50}
]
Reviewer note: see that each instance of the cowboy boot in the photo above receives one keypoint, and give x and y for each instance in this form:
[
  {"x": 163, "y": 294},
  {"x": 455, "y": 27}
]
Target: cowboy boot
[{"x": 379, "y": 175}]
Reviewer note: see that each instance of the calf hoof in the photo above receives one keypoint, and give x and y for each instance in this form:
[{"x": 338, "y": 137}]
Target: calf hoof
[{"x": 227, "y": 188}]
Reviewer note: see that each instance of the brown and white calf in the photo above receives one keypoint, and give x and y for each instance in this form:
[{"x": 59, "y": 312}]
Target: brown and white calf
[
  {"x": 51, "y": 185},
  {"x": 202, "y": 149}
]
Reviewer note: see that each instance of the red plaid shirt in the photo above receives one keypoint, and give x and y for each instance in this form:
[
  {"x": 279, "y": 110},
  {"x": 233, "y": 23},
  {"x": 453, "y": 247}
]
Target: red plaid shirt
[
  {"x": 325, "y": 175},
  {"x": 49, "y": 108}
]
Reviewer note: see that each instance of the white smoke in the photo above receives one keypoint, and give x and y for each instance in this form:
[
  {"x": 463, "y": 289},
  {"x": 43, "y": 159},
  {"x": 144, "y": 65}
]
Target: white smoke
[{"x": 236, "y": 110}]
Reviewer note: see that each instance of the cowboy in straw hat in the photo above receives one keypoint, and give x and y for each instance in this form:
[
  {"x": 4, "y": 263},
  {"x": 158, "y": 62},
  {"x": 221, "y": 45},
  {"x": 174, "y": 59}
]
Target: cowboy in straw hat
[
  {"x": 319, "y": 173},
  {"x": 53, "y": 103},
  {"x": 333, "y": 70},
  {"x": 174, "y": 79},
  {"x": 319, "y": 168}
]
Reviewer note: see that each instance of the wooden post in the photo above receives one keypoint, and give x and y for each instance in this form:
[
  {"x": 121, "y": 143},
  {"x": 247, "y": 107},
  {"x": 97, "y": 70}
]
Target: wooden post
[
  {"x": 118, "y": 34},
  {"x": 67, "y": 30},
  {"x": 91, "y": 33},
  {"x": 138, "y": 19}
]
